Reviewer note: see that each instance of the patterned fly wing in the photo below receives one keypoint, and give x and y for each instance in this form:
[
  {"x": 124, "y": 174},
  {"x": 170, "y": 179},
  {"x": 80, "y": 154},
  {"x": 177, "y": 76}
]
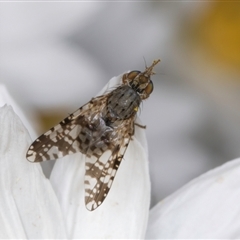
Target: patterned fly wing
[
  {"x": 64, "y": 138},
  {"x": 84, "y": 131},
  {"x": 101, "y": 130},
  {"x": 101, "y": 172}
]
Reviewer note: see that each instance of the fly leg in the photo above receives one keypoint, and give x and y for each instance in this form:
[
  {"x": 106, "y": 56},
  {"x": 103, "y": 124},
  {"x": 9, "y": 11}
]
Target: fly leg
[{"x": 141, "y": 126}]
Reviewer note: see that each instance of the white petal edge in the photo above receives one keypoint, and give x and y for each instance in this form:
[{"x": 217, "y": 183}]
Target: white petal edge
[
  {"x": 207, "y": 208},
  {"x": 5, "y": 98},
  {"x": 28, "y": 205},
  {"x": 124, "y": 213}
]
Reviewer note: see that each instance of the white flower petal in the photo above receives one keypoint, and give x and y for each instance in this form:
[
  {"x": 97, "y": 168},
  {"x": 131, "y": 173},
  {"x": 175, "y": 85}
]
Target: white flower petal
[
  {"x": 28, "y": 205},
  {"x": 124, "y": 213},
  {"x": 5, "y": 98},
  {"x": 207, "y": 207}
]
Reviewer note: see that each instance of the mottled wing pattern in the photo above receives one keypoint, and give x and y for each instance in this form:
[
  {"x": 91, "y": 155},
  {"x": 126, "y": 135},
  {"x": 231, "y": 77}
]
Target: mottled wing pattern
[
  {"x": 63, "y": 139},
  {"x": 70, "y": 136},
  {"x": 101, "y": 172}
]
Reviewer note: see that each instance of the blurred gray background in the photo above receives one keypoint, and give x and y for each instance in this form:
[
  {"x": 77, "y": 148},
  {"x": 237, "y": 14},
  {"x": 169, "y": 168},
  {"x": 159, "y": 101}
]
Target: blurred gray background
[{"x": 55, "y": 56}]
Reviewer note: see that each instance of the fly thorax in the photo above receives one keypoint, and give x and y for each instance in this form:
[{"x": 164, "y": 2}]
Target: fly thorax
[{"x": 123, "y": 103}]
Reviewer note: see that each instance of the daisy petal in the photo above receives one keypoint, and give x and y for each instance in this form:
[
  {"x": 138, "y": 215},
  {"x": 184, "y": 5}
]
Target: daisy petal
[
  {"x": 5, "y": 98},
  {"x": 207, "y": 207},
  {"x": 28, "y": 205}
]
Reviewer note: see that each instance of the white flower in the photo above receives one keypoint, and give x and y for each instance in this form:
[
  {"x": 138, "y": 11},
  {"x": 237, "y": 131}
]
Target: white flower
[
  {"x": 206, "y": 208},
  {"x": 28, "y": 205},
  {"x": 34, "y": 207}
]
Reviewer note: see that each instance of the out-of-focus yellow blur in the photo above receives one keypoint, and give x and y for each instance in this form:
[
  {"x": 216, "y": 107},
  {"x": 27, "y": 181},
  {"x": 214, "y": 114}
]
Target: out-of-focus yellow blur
[
  {"x": 218, "y": 30},
  {"x": 207, "y": 54}
]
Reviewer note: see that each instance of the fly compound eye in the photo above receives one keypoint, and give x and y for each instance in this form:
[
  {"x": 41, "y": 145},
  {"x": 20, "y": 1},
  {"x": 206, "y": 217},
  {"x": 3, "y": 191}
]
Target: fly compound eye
[
  {"x": 130, "y": 76},
  {"x": 149, "y": 88},
  {"x": 133, "y": 74}
]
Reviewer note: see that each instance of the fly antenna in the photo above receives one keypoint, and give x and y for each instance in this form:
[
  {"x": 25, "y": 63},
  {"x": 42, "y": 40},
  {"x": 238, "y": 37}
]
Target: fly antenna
[{"x": 149, "y": 70}]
